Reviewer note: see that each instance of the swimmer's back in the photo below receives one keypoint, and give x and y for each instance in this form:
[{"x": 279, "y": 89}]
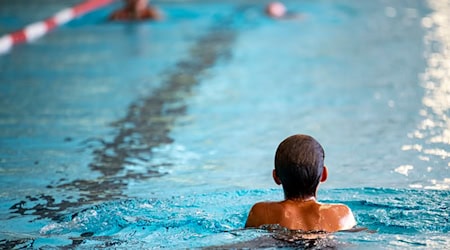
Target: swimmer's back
[{"x": 302, "y": 215}]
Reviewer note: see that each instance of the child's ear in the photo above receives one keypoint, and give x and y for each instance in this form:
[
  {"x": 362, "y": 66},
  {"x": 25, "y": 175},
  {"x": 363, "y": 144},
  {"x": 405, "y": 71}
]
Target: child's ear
[
  {"x": 275, "y": 177},
  {"x": 324, "y": 174}
]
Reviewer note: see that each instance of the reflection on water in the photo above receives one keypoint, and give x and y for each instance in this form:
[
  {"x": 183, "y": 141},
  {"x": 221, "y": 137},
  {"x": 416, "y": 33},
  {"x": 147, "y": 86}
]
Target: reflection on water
[
  {"x": 146, "y": 126},
  {"x": 433, "y": 132}
]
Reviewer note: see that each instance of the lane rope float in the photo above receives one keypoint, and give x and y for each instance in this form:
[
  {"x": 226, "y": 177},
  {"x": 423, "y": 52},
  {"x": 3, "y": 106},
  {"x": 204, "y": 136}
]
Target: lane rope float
[{"x": 36, "y": 30}]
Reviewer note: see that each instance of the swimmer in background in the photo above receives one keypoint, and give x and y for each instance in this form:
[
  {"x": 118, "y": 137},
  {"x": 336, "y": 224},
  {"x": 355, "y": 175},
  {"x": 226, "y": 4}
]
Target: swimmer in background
[
  {"x": 277, "y": 10},
  {"x": 299, "y": 168},
  {"x": 136, "y": 10}
]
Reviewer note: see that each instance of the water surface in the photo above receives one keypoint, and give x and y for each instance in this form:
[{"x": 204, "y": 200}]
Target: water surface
[{"x": 163, "y": 134}]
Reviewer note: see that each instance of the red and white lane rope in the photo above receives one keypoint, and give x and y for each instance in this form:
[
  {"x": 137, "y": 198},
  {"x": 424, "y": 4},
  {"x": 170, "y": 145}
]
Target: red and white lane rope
[{"x": 39, "y": 29}]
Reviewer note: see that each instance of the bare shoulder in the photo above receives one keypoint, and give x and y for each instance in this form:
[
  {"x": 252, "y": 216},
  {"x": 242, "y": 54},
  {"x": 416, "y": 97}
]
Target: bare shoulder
[
  {"x": 261, "y": 208},
  {"x": 261, "y": 214},
  {"x": 343, "y": 213},
  {"x": 340, "y": 208}
]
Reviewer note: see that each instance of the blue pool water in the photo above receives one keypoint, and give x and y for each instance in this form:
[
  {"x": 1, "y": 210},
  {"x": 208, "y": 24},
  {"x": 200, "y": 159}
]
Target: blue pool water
[{"x": 162, "y": 135}]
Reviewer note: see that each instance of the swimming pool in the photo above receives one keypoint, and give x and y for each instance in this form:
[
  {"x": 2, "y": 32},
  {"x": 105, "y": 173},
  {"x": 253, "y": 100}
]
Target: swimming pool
[{"x": 163, "y": 134}]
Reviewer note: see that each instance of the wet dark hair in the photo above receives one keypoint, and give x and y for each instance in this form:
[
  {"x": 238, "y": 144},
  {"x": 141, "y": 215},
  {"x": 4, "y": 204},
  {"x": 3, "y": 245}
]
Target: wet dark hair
[{"x": 299, "y": 162}]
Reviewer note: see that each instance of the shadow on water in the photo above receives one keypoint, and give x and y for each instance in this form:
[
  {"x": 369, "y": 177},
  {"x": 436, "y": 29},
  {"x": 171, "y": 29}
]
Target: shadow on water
[{"x": 146, "y": 125}]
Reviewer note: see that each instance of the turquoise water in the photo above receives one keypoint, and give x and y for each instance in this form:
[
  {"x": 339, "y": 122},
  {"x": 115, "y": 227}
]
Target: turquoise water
[{"x": 148, "y": 135}]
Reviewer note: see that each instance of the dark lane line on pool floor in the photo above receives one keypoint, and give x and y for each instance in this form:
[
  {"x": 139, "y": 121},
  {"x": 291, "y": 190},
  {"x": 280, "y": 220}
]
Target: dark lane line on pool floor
[{"x": 146, "y": 126}]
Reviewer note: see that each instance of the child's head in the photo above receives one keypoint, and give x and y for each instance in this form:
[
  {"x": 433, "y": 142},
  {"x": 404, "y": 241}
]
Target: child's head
[{"x": 299, "y": 166}]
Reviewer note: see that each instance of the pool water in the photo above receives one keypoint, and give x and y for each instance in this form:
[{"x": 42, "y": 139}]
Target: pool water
[{"x": 162, "y": 134}]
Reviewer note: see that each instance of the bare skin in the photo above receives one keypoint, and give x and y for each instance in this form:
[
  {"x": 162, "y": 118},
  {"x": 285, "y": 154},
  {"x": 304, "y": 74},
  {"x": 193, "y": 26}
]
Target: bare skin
[
  {"x": 136, "y": 10},
  {"x": 277, "y": 10},
  {"x": 302, "y": 214}
]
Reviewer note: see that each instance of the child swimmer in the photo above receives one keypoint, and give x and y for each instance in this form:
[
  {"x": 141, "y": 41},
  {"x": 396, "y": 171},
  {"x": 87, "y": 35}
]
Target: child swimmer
[{"x": 299, "y": 168}]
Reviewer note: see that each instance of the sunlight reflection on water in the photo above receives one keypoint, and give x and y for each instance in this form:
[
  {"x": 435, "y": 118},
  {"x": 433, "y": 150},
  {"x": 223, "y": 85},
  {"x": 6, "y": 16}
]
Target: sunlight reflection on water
[{"x": 434, "y": 129}]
